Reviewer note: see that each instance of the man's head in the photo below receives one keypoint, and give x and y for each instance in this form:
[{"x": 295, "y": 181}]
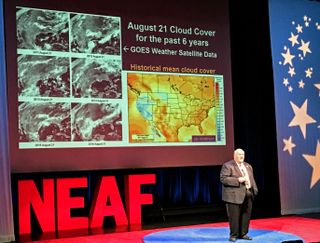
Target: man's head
[{"x": 238, "y": 155}]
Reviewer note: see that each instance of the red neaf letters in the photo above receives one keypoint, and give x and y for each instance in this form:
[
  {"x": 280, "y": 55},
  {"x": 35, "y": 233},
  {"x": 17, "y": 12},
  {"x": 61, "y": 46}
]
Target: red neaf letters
[{"x": 54, "y": 207}]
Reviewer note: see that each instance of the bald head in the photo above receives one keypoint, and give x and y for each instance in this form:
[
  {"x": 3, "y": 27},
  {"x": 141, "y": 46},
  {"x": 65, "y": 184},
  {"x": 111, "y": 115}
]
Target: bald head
[{"x": 238, "y": 155}]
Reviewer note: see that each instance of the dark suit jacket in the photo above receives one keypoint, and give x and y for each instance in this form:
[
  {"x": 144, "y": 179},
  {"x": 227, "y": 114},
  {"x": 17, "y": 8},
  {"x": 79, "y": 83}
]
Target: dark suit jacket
[{"x": 232, "y": 190}]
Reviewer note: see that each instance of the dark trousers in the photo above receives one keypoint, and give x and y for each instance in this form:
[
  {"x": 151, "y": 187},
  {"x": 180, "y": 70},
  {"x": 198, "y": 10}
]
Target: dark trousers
[{"x": 239, "y": 216}]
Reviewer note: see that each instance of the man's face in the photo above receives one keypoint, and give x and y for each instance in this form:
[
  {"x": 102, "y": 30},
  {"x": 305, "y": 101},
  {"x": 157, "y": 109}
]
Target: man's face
[{"x": 239, "y": 156}]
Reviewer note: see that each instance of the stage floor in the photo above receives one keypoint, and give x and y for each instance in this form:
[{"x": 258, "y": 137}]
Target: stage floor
[
  {"x": 305, "y": 227},
  {"x": 218, "y": 235}
]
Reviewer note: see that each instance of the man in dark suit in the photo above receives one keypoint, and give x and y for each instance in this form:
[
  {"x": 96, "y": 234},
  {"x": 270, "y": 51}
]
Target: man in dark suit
[{"x": 239, "y": 189}]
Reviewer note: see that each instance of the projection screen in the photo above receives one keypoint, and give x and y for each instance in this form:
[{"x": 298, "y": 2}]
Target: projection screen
[{"x": 118, "y": 85}]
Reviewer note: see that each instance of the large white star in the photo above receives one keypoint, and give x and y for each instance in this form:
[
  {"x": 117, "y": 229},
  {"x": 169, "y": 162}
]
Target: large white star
[
  {"x": 301, "y": 118},
  {"x": 304, "y": 47},
  {"x": 287, "y": 57},
  {"x": 314, "y": 162},
  {"x": 288, "y": 145},
  {"x": 293, "y": 39}
]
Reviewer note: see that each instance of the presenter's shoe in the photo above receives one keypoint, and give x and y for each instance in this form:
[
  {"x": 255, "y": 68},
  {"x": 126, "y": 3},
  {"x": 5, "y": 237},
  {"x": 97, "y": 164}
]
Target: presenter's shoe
[
  {"x": 232, "y": 239},
  {"x": 246, "y": 237}
]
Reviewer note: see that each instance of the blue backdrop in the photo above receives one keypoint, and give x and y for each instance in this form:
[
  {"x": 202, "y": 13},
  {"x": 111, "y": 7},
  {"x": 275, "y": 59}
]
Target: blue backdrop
[{"x": 295, "y": 35}]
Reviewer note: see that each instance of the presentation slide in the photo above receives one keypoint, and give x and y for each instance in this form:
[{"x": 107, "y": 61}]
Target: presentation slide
[{"x": 97, "y": 87}]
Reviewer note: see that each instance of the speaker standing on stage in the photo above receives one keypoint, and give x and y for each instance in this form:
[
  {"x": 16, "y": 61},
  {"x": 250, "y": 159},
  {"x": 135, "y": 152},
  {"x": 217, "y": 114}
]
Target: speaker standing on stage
[{"x": 239, "y": 189}]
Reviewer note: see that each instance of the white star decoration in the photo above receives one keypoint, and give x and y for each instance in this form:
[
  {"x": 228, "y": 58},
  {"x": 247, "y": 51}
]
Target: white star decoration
[
  {"x": 301, "y": 118},
  {"x": 299, "y": 28},
  {"x": 301, "y": 84},
  {"x": 314, "y": 162},
  {"x": 304, "y": 47},
  {"x": 289, "y": 145},
  {"x": 285, "y": 82},
  {"x": 293, "y": 39},
  {"x": 291, "y": 71},
  {"x": 287, "y": 57},
  {"x": 308, "y": 72}
]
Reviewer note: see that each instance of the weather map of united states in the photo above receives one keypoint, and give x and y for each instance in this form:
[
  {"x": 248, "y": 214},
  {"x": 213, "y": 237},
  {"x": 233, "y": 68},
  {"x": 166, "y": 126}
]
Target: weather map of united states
[{"x": 172, "y": 108}]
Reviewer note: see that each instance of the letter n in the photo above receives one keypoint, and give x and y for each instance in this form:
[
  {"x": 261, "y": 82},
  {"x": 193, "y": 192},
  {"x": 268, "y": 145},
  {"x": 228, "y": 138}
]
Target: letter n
[{"x": 29, "y": 197}]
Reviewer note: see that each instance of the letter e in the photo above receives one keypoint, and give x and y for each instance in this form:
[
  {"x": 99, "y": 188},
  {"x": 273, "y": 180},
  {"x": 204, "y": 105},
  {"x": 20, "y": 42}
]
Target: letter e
[{"x": 65, "y": 203}]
